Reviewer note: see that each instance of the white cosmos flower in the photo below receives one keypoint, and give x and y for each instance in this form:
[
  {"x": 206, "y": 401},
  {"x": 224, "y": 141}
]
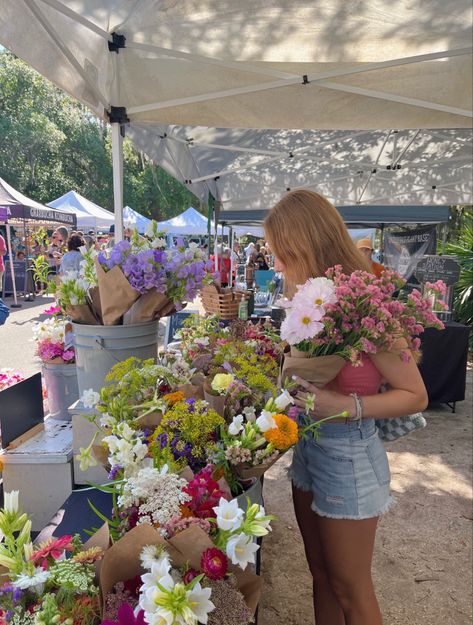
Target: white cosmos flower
[
  {"x": 158, "y": 243},
  {"x": 229, "y": 515},
  {"x": 250, "y": 414},
  {"x": 266, "y": 421},
  {"x": 11, "y": 503},
  {"x": 90, "y": 398},
  {"x": 316, "y": 292},
  {"x": 283, "y": 400},
  {"x": 241, "y": 550},
  {"x": 301, "y": 323},
  {"x": 199, "y": 601},
  {"x": 236, "y": 426}
]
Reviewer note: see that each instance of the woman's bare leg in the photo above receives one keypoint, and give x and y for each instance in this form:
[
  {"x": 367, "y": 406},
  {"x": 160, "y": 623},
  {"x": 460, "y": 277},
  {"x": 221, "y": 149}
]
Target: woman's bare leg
[
  {"x": 347, "y": 547},
  {"x": 326, "y": 606}
]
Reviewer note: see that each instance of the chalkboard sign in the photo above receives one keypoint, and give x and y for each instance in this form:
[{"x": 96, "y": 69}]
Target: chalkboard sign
[
  {"x": 432, "y": 268},
  {"x": 23, "y": 281},
  {"x": 174, "y": 323}
]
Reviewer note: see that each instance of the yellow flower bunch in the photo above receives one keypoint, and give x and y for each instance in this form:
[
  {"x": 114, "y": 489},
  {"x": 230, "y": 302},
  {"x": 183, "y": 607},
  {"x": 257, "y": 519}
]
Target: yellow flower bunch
[
  {"x": 285, "y": 435},
  {"x": 192, "y": 423},
  {"x": 221, "y": 382}
]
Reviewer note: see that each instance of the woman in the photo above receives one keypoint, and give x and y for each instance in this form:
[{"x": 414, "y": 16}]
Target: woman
[
  {"x": 73, "y": 257},
  {"x": 340, "y": 483}
]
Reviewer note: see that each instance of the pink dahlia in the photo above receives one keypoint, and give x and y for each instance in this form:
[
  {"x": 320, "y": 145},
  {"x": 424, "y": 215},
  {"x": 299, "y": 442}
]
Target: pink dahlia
[
  {"x": 214, "y": 563},
  {"x": 53, "y": 548}
]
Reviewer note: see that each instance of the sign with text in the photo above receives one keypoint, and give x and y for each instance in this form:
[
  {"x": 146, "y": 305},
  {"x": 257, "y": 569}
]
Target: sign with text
[
  {"x": 433, "y": 268},
  {"x": 403, "y": 250}
]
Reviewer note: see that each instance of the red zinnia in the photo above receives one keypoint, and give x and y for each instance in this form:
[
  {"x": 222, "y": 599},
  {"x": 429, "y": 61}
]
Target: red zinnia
[{"x": 214, "y": 563}]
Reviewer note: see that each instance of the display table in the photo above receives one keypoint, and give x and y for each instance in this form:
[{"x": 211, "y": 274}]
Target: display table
[
  {"x": 443, "y": 365},
  {"x": 41, "y": 469}
]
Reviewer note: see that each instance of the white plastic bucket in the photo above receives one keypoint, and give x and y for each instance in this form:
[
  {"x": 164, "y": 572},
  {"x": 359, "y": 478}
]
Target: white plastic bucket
[
  {"x": 61, "y": 385},
  {"x": 98, "y": 348}
]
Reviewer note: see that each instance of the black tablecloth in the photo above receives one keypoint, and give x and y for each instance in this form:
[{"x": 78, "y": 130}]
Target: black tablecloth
[
  {"x": 443, "y": 365},
  {"x": 76, "y": 515}
]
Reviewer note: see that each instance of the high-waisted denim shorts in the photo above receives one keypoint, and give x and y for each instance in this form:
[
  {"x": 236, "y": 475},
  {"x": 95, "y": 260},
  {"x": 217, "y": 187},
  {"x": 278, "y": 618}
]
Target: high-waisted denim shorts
[{"x": 346, "y": 469}]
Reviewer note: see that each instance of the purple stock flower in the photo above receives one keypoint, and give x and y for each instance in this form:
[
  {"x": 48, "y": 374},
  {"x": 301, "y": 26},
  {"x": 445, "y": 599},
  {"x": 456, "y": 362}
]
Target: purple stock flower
[{"x": 114, "y": 470}]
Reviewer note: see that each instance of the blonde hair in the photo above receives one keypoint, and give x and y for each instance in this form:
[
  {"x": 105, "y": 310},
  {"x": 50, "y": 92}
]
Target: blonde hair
[{"x": 308, "y": 235}]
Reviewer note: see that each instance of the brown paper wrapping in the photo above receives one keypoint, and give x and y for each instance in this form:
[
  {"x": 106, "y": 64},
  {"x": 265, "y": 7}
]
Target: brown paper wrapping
[
  {"x": 81, "y": 313},
  {"x": 191, "y": 391},
  {"x": 245, "y": 471},
  {"x": 100, "y": 453},
  {"x": 116, "y": 294},
  {"x": 152, "y": 305},
  {"x": 94, "y": 303},
  {"x": 150, "y": 420},
  {"x": 122, "y": 560},
  {"x": 216, "y": 402},
  {"x": 319, "y": 370}
]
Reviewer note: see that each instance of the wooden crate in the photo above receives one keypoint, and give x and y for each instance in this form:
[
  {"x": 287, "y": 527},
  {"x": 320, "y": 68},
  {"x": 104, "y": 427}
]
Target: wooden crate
[{"x": 224, "y": 304}]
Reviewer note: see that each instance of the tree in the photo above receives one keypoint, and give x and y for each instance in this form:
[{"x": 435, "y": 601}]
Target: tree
[{"x": 50, "y": 144}]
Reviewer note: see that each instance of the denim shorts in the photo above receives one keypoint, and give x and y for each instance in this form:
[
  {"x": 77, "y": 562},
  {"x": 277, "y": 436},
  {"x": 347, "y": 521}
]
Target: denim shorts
[{"x": 346, "y": 469}]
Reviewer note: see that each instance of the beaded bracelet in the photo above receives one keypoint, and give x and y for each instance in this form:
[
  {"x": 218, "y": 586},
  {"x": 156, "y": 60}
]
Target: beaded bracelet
[{"x": 358, "y": 407}]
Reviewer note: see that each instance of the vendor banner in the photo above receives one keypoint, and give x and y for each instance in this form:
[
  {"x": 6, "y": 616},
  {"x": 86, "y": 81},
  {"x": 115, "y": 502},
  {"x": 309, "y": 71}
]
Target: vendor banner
[{"x": 403, "y": 250}]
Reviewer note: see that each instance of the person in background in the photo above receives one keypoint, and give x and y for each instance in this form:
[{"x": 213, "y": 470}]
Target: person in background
[
  {"x": 249, "y": 250},
  {"x": 366, "y": 248},
  {"x": 3, "y": 251},
  {"x": 62, "y": 234},
  {"x": 261, "y": 261},
  {"x": 4, "y": 311},
  {"x": 20, "y": 255},
  {"x": 72, "y": 258}
]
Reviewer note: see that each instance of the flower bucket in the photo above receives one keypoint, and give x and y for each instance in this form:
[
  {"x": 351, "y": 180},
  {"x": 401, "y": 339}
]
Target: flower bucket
[
  {"x": 253, "y": 492},
  {"x": 98, "y": 348},
  {"x": 61, "y": 385}
]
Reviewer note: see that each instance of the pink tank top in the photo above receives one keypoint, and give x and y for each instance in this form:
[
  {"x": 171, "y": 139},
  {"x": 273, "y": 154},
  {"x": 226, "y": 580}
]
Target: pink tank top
[{"x": 363, "y": 380}]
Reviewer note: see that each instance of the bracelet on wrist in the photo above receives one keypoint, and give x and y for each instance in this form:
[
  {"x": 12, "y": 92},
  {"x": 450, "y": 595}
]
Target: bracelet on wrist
[{"x": 358, "y": 416}]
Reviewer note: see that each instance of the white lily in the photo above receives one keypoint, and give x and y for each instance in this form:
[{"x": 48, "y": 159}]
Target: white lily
[
  {"x": 283, "y": 400},
  {"x": 229, "y": 515},
  {"x": 266, "y": 421},
  {"x": 236, "y": 426},
  {"x": 241, "y": 550},
  {"x": 199, "y": 600},
  {"x": 250, "y": 414}
]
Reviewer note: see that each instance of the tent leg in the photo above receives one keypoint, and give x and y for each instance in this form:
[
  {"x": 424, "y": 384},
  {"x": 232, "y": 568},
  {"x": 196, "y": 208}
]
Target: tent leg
[
  {"x": 12, "y": 269},
  {"x": 231, "y": 240},
  {"x": 117, "y": 162}
]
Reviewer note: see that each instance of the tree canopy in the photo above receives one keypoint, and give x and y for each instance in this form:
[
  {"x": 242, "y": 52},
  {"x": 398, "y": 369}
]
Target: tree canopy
[{"x": 50, "y": 144}]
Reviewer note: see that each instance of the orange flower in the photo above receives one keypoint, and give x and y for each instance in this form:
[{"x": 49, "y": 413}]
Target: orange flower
[
  {"x": 186, "y": 512},
  {"x": 285, "y": 435},
  {"x": 174, "y": 398}
]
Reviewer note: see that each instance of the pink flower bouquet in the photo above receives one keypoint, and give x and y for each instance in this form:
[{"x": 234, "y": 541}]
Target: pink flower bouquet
[
  {"x": 50, "y": 336},
  {"x": 9, "y": 377},
  {"x": 342, "y": 318}
]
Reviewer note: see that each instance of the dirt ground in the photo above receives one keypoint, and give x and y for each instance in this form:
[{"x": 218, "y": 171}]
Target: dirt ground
[{"x": 423, "y": 555}]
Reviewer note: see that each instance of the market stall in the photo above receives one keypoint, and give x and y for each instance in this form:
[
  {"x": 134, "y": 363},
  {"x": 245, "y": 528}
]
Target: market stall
[
  {"x": 25, "y": 217},
  {"x": 88, "y": 214}
]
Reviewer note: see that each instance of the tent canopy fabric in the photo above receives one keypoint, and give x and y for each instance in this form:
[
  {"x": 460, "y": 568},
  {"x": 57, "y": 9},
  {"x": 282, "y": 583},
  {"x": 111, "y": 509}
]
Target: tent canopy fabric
[
  {"x": 89, "y": 215},
  {"x": 22, "y": 207},
  {"x": 361, "y": 216},
  {"x": 254, "y": 64},
  {"x": 190, "y": 222},
  {"x": 133, "y": 219},
  {"x": 251, "y": 169}
]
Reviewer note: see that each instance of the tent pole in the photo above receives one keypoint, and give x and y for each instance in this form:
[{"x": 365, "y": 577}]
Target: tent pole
[
  {"x": 12, "y": 268},
  {"x": 117, "y": 161},
  {"x": 232, "y": 235}
]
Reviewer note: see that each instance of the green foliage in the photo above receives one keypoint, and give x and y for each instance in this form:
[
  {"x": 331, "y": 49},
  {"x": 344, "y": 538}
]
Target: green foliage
[
  {"x": 50, "y": 144},
  {"x": 462, "y": 249}
]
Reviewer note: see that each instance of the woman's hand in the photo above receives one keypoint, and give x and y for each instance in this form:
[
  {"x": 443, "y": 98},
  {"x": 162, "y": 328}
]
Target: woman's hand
[{"x": 320, "y": 403}]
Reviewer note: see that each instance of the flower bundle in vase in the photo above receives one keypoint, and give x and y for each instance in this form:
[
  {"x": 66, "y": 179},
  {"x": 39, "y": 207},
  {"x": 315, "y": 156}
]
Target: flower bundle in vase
[
  {"x": 341, "y": 319},
  {"x": 50, "y": 337}
]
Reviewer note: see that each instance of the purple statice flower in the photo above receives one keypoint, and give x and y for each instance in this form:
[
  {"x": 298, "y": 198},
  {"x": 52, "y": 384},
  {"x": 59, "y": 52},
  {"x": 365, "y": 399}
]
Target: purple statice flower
[
  {"x": 162, "y": 439},
  {"x": 191, "y": 403}
]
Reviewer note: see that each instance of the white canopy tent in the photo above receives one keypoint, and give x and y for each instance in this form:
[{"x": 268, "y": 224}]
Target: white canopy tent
[
  {"x": 133, "y": 219},
  {"x": 193, "y": 223},
  {"x": 254, "y": 64},
  {"x": 89, "y": 215}
]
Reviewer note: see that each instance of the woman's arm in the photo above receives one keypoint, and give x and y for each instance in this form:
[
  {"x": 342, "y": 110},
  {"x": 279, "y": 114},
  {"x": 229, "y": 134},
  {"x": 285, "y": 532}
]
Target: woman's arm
[{"x": 406, "y": 395}]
